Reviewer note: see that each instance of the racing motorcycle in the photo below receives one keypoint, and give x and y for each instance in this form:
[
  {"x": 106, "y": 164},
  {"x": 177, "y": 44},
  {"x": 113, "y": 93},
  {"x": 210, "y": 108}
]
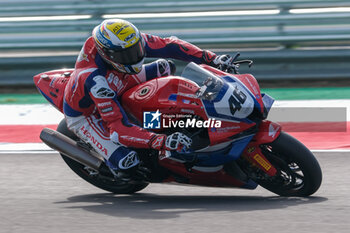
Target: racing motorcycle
[{"x": 222, "y": 111}]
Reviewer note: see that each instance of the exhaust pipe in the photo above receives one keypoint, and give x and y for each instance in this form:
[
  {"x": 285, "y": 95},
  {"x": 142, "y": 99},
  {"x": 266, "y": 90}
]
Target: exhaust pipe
[{"x": 69, "y": 147}]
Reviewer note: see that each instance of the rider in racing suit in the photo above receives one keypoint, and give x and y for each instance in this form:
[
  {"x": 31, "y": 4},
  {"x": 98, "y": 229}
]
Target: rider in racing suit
[{"x": 111, "y": 62}]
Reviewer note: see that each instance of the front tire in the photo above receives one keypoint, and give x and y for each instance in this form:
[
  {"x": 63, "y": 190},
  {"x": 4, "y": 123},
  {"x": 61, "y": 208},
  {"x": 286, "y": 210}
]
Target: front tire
[
  {"x": 104, "y": 179},
  {"x": 298, "y": 172}
]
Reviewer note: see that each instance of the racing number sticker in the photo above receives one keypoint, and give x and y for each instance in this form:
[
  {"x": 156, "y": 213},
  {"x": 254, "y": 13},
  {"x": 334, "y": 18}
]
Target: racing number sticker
[{"x": 236, "y": 100}]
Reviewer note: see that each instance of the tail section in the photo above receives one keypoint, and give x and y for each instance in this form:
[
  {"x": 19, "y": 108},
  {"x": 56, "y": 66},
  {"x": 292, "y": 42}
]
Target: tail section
[{"x": 51, "y": 85}]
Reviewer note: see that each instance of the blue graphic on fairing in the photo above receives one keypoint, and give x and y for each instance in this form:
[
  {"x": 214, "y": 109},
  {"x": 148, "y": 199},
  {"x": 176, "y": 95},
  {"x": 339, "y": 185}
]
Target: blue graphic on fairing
[
  {"x": 238, "y": 147},
  {"x": 216, "y": 158},
  {"x": 212, "y": 111},
  {"x": 47, "y": 97},
  {"x": 232, "y": 79},
  {"x": 173, "y": 97}
]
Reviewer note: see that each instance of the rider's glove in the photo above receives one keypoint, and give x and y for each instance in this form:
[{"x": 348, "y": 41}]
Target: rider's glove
[
  {"x": 165, "y": 67},
  {"x": 175, "y": 142},
  {"x": 222, "y": 62}
]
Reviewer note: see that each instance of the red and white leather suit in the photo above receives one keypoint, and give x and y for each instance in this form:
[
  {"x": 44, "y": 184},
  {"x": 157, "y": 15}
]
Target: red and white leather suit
[{"x": 91, "y": 96}]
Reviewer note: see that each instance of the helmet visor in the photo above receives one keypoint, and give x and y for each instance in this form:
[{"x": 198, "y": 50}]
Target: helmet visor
[{"x": 128, "y": 56}]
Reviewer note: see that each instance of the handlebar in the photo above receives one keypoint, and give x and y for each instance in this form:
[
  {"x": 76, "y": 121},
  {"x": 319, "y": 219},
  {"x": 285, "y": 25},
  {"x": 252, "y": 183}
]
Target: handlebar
[{"x": 234, "y": 65}]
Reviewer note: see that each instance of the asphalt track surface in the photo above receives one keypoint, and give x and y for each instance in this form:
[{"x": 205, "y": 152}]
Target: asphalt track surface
[{"x": 38, "y": 193}]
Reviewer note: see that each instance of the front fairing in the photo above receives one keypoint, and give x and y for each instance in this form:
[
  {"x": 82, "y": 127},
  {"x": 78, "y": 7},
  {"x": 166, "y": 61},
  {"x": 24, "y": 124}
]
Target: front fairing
[
  {"x": 234, "y": 98},
  {"x": 236, "y": 101}
]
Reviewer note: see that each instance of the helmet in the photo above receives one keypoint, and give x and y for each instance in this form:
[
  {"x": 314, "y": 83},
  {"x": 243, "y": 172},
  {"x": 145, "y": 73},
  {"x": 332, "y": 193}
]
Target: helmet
[{"x": 120, "y": 44}]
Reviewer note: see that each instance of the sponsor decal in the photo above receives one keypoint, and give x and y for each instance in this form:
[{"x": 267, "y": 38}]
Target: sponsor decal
[
  {"x": 255, "y": 90},
  {"x": 105, "y": 110},
  {"x": 227, "y": 129},
  {"x": 104, "y": 92},
  {"x": 129, "y": 138},
  {"x": 102, "y": 40},
  {"x": 52, "y": 83},
  {"x": 118, "y": 84},
  {"x": 104, "y": 32},
  {"x": 94, "y": 141},
  {"x": 108, "y": 114},
  {"x": 163, "y": 67},
  {"x": 110, "y": 78},
  {"x": 101, "y": 90},
  {"x": 251, "y": 149},
  {"x": 82, "y": 56},
  {"x": 104, "y": 104},
  {"x": 130, "y": 160},
  {"x": 262, "y": 162},
  {"x": 118, "y": 28},
  {"x": 129, "y": 37},
  {"x": 273, "y": 131},
  {"x": 158, "y": 142},
  {"x": 187, "y": 111}
]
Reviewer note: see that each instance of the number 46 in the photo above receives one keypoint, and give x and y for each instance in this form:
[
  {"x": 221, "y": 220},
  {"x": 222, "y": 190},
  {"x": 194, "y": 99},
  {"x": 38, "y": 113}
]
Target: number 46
[{"x": 236, "y": 100}]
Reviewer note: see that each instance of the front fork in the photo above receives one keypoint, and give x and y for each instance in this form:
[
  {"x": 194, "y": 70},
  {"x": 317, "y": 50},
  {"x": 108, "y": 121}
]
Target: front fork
[{"x": 268, "y": 132}]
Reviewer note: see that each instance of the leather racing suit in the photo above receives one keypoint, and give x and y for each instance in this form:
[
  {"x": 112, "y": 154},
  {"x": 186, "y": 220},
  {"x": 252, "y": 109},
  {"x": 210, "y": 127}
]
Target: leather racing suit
[{"x": 91, "y": 105}]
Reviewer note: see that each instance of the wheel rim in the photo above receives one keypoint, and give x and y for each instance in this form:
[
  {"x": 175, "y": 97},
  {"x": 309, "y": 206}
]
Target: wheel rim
[{"x": 289, "y": 175}]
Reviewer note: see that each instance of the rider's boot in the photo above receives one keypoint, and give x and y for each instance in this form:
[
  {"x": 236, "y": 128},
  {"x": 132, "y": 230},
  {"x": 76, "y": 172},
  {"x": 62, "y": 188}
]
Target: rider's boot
[{"x": 125, "y": 165}]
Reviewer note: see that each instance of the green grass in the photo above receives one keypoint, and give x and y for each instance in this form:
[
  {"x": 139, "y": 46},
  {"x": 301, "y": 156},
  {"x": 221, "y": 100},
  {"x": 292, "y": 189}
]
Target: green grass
[
  {"x": 321, "y": 93},
  {"x": 22, "y": 99},
  {"x": 277, "y": 93}
]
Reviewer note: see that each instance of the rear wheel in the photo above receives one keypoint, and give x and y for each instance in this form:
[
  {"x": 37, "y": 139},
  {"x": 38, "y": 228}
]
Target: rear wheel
[
  {"x": 103, "y": 178},
  {"x": 298, "y": 172}
]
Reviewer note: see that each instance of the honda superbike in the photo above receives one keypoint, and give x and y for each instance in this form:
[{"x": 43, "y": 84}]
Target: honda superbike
[{"x": 222, "y": 111}]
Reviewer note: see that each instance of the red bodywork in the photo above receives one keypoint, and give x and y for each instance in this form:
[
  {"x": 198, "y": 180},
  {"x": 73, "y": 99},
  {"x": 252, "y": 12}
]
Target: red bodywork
[
  {"x": 156, "y": 94},
  {"x": 51, "y": 85}
]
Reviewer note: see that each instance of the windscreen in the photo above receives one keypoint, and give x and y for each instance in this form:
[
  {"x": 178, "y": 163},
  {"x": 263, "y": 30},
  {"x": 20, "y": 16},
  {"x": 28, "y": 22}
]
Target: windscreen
[{"x": 209, "y": 84}]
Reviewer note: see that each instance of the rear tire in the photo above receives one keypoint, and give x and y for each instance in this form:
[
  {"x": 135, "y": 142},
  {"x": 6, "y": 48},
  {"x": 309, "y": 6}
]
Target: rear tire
[
  {"x": 105, "y": 179},
  {"x": 298, "y": 172}
]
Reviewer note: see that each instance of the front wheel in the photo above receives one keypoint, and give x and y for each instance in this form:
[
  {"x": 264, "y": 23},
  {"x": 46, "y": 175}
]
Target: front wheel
[{"x": 298, "y": 172}]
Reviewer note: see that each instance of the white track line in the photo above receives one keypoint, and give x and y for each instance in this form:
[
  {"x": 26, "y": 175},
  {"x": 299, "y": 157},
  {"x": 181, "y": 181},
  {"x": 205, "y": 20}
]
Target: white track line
[
  {"x": 29, "y": 114},
  {"x": 42, "y": 114},
  {"x": 6, "y": 148}
]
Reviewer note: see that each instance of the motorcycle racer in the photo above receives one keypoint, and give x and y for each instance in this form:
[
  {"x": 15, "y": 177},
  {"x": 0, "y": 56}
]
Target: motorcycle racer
[{"x": 111, "y": 62}]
